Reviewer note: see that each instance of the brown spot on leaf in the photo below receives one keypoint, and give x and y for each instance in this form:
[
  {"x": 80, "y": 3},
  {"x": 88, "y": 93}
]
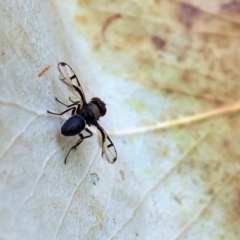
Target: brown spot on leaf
[
  {"x": 185, "y": 77},
  {"x": 82, "y": 19},
  {"x": 44, "y": 70},
  {"x": 122, "y": 173},
  {"x": 164, "y": 152},
  {"x": 97, "y": 46},
  {"x": 169, "y": 90},
  {"x": 188, "y": 14},
  {"x": 109, "y": 21},
  {"x": 233, "y": 7},
  {"x": 226, "y": 142},
  {"x": 210, "y": 191},
  {"x": 117, "y": 48},
  {"x": 158, "y": 42},
  {"x": 218, "y": 103},
  {"x": 177, "y": 200}
]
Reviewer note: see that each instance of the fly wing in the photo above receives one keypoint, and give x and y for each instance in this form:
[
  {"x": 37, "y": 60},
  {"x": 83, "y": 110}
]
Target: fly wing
[
  {"x": 68, "y": 77},
  {"x": 108, "y": 149}
]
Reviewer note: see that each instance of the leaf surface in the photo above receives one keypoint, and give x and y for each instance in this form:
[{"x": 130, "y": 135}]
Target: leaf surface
[{"x": 169, "y": 72}]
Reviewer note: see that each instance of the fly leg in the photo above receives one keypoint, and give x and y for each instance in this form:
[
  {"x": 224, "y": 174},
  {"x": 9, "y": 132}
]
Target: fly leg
[
  {"x": 79, "y": 142},
  {"x": 74, "y": 103},
  {"x": 72, "y": 108}
]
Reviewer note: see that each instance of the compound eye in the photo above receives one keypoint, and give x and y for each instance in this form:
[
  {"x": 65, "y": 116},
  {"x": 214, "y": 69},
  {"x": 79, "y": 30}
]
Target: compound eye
[
  {"x": 96, "y": 99},
  {"x": 103, "y": 111},
  {"x": 101, "y": 105}
]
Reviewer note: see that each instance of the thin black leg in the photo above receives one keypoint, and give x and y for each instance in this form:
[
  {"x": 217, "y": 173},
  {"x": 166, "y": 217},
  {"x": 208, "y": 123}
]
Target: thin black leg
[
  {"x": 62, "y": 112},
  {"x": 73, "y": 111},
  {"x": 74, "y": 103},
  {"x": 79, "y": 142},
  {"x": 76, "y": 110},
  {"x": 72, "y": 100}
]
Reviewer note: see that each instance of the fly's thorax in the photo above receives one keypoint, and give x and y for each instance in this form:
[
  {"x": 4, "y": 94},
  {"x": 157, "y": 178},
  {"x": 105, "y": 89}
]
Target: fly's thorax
[{"x": 90, "y": 112}]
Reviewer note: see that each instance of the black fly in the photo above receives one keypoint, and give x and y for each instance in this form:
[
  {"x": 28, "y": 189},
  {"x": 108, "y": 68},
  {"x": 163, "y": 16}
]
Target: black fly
[{"x": 83, "y": 114}]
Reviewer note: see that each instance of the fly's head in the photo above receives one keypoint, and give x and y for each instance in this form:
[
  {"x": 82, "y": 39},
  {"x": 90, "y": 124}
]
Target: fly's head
[{"x": 100, "y": 104}]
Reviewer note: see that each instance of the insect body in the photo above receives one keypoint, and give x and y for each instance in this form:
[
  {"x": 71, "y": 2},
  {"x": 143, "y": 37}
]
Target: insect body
[
  {"x": 73, "y": 126},
  {"x": 83, "y": 114}
]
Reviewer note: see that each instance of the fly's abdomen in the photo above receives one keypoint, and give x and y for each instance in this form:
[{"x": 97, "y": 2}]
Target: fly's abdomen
[{"x": 73, "y": 126}]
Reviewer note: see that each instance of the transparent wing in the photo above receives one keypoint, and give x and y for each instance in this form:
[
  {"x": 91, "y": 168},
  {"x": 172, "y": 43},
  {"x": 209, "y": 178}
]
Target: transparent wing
[
  {"x": 108, "y": 149},
  {"x": 68, "y": 77}
]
